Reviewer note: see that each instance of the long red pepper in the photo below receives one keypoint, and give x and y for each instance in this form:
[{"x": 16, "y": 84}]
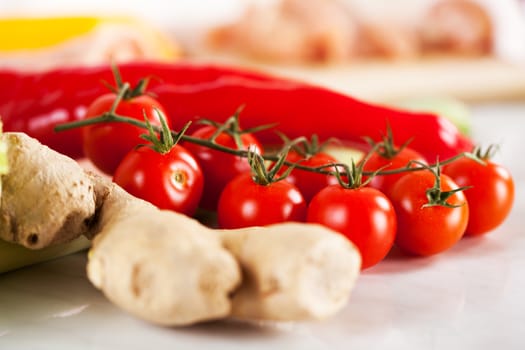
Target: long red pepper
[{"x": 35, "y": 103}]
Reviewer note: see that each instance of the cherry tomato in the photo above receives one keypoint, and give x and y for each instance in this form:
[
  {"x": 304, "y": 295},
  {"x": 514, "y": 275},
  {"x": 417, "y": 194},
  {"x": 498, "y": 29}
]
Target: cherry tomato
[
  {"x": 106, "y": 144},
  {"x": 491, "y": 196},
  {"x": 308, "y": 182},
  {"x": 384, "y": 183},
  {"x": 245, "y": 203},
  {"x": 218, "y": 167},
  {"x": 170, "y": 181},
  {"x": 364, "y": 215},
  {"x": 427, "y": 230}
]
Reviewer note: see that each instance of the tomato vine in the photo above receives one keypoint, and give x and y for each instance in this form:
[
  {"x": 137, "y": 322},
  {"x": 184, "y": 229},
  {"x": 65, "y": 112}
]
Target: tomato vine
[{"x": 112, "y": 117}]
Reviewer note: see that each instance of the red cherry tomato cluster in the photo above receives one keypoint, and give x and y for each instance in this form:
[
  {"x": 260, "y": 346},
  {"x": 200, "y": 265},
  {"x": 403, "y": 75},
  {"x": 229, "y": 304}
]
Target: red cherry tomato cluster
[
  {"x": 422, "y": 209},
  {"x": 169, "y": 178}
]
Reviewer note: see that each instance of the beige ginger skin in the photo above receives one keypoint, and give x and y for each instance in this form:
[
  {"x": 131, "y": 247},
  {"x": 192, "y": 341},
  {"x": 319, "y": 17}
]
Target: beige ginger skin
[
  {"x": 46, "y": 199},
  {"x": 291, "y": 271},
  {"x": 160, "y": 266},
  {"x": 167, "y": 268}
]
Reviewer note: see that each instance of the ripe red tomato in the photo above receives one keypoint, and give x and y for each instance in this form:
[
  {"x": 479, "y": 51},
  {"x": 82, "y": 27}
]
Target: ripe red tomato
[
  {"x": 427, "y": 230},
  {"x": 364, "y": 215},
  {"x": 170, "y": 181},
  {"x": 106, "y": 144},
  {"x": 384, "y": 183},
  {"x": 219, "y": 168},
  {"x": 491, "y": 196},
  {"x": 308, "y": 182},
  {"x": 245, "y": 203}
]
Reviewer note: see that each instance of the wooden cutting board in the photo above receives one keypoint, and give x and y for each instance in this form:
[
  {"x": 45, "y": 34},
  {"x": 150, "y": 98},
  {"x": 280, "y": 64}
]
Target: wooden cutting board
[{"x": 468, "y": 79}]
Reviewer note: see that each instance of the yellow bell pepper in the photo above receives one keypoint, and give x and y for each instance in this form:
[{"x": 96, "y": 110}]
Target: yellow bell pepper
[{"x": 73, "y": 38}]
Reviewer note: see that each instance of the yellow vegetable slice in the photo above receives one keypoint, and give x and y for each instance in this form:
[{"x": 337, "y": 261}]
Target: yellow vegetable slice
[
  {"x": 37, "y": 33},
  {"x": 13, "y": 256},
  {"x": 49, "y": 42}
]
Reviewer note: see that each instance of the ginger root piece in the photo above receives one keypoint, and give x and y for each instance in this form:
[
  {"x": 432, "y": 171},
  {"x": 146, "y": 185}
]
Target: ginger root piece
[
  {"x": 171, "y": 270},
  {"x": 46, "y": 197},
  {"x": 292, "y": 271},
  {"x": 160, "y": 266},
  {"x": 165, "y": 267}
]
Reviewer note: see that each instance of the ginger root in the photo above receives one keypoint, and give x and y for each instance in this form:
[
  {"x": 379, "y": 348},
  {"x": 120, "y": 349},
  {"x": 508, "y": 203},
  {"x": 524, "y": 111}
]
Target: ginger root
[
  {"x": 169, "y": 269},
  {"x": 160, "y": 266},
  {"x": 292, "y": 271},
  {"x": 46, "y": 197},
  {"x": 165, "y": 267}
]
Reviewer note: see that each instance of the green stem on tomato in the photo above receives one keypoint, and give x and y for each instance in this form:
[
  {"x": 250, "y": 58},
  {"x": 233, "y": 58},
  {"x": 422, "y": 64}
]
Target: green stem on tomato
[
  {"x": 111, "y": 116},
  {"x": 435, "y": 196},
  {"x": 116, "y": 118}
]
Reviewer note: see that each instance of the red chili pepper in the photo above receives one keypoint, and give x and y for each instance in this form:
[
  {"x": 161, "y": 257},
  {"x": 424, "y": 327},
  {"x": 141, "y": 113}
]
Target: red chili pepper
[
  {"x": 301, "y": 109},
  {"x": 35, "y": 103}
]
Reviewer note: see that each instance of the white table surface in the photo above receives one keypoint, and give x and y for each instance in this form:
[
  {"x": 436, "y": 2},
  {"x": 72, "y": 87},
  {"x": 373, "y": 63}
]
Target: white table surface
[{"x": 471, "y": 297}]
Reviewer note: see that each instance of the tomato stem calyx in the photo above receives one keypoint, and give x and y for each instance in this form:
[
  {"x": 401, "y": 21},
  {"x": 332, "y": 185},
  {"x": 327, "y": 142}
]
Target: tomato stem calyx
[
  {"x": 386, "y": 148},
  {"x": 481, "y": 156},
  {"x": 305, "y": 147},
  {"x": 128, "y": 91},
  {"x": 266, "y": 175},
  {"x": 163, "y": 141},
  {"x": 437, "y": 197},
  {"x": 354, "y": 173},
  {"x": 232, "y": 127}
]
